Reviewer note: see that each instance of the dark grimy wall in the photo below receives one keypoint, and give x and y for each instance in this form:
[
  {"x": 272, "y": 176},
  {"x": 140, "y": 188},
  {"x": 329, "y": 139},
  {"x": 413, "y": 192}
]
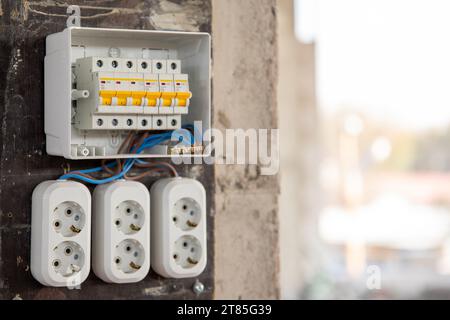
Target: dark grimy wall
[{"x": 23, "y": 160}]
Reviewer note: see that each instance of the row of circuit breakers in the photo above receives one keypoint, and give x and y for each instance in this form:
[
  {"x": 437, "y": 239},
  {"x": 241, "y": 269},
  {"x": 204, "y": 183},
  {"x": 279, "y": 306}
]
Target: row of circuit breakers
[{"x": 122, "y": 94}]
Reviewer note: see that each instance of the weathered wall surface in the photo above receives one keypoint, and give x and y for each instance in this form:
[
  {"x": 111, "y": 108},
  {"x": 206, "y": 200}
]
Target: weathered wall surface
[
  {"x": 244, "y": 81},
  {"x": 299, "y": 156},
  {"x": 23, "y": 160},
  {"x": 244, "y": 68}
]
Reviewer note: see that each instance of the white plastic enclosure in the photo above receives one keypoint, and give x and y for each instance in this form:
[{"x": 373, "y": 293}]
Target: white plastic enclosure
[
  {"x": 121, "y": 232},
  {"x": 178, "y": 227},
  {"x": 60, "y": 233},
  {"x": 77, "y": 123}
]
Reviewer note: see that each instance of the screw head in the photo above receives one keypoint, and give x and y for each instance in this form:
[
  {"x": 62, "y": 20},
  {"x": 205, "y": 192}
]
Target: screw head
[
  {"x": 198, "y": 287},
  {"x": 114, "y": 52}
]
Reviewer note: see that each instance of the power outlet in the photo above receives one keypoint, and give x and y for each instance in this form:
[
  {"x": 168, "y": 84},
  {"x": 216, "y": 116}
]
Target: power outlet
[
  {"x": 121, "y": 232},
  {"x": 60, "y": 233},
  {"x": 178, "y": 227}
]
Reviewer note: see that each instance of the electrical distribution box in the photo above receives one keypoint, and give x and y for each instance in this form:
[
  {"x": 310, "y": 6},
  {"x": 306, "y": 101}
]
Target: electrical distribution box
[{"x": 100, "y": 84}]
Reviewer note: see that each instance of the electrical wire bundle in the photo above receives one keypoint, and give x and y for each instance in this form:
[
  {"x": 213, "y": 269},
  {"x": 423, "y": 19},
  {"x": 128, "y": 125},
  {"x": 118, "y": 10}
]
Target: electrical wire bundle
[{"x": 135, "y": 144}]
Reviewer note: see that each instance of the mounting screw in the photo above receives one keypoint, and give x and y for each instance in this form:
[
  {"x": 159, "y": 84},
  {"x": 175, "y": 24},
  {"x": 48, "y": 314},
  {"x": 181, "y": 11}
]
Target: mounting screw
[
  {"x": 114, "y": 52},
  {"x": 198, "y": 287}
]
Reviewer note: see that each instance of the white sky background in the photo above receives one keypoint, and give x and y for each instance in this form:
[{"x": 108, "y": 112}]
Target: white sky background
[{"x": 387, "y": 58}]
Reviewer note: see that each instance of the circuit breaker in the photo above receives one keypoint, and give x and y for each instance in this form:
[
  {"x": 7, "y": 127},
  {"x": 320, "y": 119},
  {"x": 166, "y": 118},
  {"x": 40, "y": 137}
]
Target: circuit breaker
[{"x": 102, "y": 84}]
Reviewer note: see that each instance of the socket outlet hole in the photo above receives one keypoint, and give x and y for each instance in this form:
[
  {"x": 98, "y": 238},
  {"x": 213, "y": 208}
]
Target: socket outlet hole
[
  {"x": 187, "y": 214},
  {"x": 131, "y": 217},
  {"x": 130, "y": 254},
  {"x": 68, "y": 219},
  {"x": 68, "y": 251},
  {"x": 188, "y": 252},
  {"x": 68, "y": 258}
]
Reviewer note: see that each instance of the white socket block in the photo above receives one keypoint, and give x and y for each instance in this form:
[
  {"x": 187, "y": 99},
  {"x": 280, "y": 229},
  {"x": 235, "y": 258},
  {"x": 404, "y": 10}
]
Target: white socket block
[
  {"x": 121, "y": 232},
  {"x": 60, "y": 233},
  {"x": 178, "y": 228}
]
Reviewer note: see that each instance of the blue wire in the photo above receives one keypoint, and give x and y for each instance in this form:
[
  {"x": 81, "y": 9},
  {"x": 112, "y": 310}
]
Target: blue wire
[
  {"x": 147, "y": 143},
  {"x": 197, "y": 134},
  {"x": 128, "y": 165}
]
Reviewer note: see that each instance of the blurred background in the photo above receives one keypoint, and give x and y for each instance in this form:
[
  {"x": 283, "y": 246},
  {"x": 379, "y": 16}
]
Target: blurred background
[{"x": 364, "y": 112}]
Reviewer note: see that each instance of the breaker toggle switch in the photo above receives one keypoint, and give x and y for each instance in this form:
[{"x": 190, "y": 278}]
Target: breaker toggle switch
[
  {"x": 168, "y": 93},
  {"x": 183, "y": 99},
  {"x": 152, "y": 93},
  {"x": 183, "y": 94}
]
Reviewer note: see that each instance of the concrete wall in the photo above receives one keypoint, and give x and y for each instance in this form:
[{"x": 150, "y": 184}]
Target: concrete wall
[
  {"x": 244, "y": 81},
  {"x": 299, "y": 202}
]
